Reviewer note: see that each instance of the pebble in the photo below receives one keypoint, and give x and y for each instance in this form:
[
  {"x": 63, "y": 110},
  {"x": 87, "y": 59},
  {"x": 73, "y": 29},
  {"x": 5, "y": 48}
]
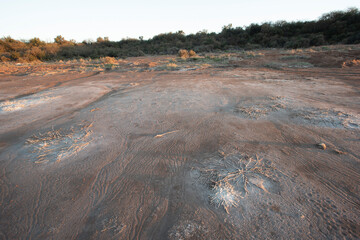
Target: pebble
[{"x": 321, "y": 146}]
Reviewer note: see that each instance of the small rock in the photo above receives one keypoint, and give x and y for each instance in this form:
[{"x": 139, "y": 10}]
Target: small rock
[{"x": 321, "y": 146}]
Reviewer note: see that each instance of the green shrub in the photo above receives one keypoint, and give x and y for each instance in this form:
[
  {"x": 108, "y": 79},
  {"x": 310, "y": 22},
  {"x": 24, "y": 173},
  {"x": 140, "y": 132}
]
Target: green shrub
[{"x": 332, "y": 28}]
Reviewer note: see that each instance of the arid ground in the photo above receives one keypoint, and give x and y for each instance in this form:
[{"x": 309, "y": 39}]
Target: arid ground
[{"x": 220, "y": 146}]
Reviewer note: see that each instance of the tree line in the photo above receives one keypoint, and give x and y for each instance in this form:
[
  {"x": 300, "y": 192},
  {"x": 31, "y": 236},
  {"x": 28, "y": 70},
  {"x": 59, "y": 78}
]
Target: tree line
[{"x": 338, "y": 27}]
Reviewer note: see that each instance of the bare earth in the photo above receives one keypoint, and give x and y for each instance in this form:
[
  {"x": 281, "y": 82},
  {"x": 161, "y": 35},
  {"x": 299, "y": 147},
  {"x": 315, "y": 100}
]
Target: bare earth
[{"x": 219, "y": 150}]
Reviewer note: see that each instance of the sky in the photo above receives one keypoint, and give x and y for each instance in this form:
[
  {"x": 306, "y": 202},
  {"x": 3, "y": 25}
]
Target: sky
[{"x": 118, "y": 19}]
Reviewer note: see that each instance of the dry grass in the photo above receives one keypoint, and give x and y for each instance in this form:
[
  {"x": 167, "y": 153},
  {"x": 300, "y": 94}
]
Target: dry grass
[
  {"x": 351, "y": 63},
  {"x": 192, "y": 53},
  {"x": 152, "y": 64},
  {"x": 108, "y": 60},
  {"x": 230, "y": 178},
  {"x": 172, "y": 65},
  {"x": 225, "y": 195},
  {"x": 10, "y": 106},
  {"x": 337, "y": 151},
  {"x": 253, "y": 54},
  {"x": 58, "y": 144},
  {"x": 327, "y": 118},
  {"x": 163, "y": 134},
  {"x": 255, "y": 108},
  {"x": 311, "y": 50},
  {"x": 294, "y": 51},
  {"x": 94, "y": 109},
  {"x": 205, "y": 65},
  {"x": 112, "y": 224},
  {"x": 183, "y": 53}
]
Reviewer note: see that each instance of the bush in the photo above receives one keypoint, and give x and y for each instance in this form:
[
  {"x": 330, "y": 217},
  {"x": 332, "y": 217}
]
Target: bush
[
  {"x": 192, "y": 53},
  {"x": 15, "y": 55},
  {"x": 183, "y": 53},
  {"x": 108, "y": 60},
  {"x": 5, "y": 59},
  {"x": 332, "y": 28},
  {"x": 38, "y": 53},
  {"x": 59, "y": 39},
  {"x": 36, "y": 42}
]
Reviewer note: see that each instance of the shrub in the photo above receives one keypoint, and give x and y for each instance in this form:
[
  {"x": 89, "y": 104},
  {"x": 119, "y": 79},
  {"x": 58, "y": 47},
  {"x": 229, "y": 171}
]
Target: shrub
[
  {"x": 99, "y": 40},
  {"x": 183, "y": 53},
  {"x": 192, "y": 53},
  {"x": 15, "y": 55},
  {"x": 59, "y": 39},
  {"x": 333, "y": 28},
  {"x": 5, "y": 59},
  {"x": 351, "y": 63},
  {"x": 172, "y": 65},
  {"x": 38, "y": 53},
  {"x": 108, "y": 60},
  {"x": 36, "y": 42}
]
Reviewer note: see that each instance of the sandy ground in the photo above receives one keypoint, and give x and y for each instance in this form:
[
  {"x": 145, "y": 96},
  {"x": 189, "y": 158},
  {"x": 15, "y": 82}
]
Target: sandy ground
[{"x": 222, "y": 152}]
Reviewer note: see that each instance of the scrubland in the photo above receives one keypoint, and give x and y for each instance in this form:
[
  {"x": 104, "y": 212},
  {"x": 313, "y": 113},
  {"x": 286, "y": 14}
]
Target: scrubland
[{"x": 242, "y": 144}]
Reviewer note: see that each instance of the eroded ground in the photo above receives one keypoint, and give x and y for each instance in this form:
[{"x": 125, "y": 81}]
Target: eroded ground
[{"x": 217, "y": 147}]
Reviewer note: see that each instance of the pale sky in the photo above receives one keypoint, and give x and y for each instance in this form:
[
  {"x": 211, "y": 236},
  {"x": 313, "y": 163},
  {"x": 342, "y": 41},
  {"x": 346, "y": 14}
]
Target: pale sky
[{"x": 80, "y": 19}]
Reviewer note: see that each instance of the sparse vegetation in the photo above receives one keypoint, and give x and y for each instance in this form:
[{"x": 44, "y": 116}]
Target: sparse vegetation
[
  {"x": 192, "y": 53},
  {"x": 351, "y": 63},
  {"x": 231, "y": 178},
  {"x": 108, "y": 60},
  {"x": 294, "y": 57},
  {"x": 183, "y": 53},
  {"x": 55, "y": 145},
  {"x": 339, "y": 27}
]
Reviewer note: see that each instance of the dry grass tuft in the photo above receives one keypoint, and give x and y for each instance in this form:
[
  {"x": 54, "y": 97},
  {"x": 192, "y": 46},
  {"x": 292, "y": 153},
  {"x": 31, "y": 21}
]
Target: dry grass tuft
[
  {"x": 10, "y": 106},
  {"x": 14, "y": 105},
  {"x": 163, "y": 134},
  {"x": 294, "y": 51},
  {"x": 337, "y": 151},
  {"x": 225, "y": 195},
  {"x": 351, "y": 63},
  {"x": 192, "y": 53},
  {"x": 172, "y": 65},
  {"x": 253, "y": 54},
  {"x": 327, "y": 117},
  {"x": 230, "y": 179},
  {"x": 58, "y": 144},
  {"x": 5, "y": 59},
  {"x": 311, "y": 50},
  {"x": 205, "y": 65},
  {"x": 255, "y": 108},
  {"x": 183, "y": 53},
  {"x": 152, "y": 64},
  {"x": 94, "y": 109},
  {"x": 108, "y": 60}
]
